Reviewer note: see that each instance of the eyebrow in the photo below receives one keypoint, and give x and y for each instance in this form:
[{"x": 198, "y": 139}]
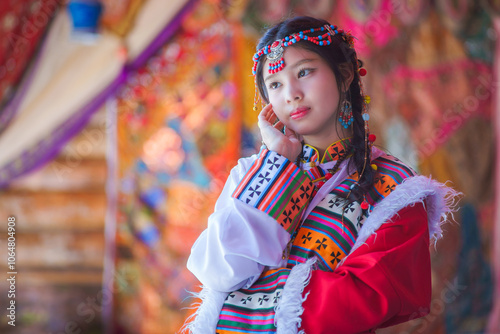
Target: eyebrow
[{"x": 297, "y": 64}]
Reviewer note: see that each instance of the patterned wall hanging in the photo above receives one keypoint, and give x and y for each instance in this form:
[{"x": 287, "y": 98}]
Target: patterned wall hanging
[{"x": 178, "y": 137}]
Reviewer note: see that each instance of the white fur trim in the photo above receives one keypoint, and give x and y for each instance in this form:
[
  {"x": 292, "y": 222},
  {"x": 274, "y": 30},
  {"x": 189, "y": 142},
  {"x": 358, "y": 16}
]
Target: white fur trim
[
  {"x": 287, "y": 317},
  {"x": 440, "y": 201},
  {"x": 206, "y": 316}
]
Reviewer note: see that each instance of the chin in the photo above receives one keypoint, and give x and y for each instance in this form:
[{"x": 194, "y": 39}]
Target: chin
[{"x": 303, "y": 132}]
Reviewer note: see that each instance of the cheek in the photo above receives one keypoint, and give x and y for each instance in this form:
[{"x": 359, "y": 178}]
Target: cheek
[
  {"x": 329, "y": 87},
  {"x": 329, "y": 94},
  {"x": 277, "y": 105},
  {"x": 274, "y": 95},
  {"x": 334, "y": 97},
  {"x": 281, "y": 116}
]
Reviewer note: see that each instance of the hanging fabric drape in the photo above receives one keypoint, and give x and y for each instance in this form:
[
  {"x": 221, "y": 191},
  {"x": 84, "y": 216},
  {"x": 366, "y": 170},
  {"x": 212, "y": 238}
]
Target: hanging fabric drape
[{"x": 71, "y": 81}]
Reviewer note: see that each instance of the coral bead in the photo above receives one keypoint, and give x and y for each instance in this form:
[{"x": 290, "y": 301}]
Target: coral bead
[
  {"x": 362, "y": 72},
  {"x": 364, "y": 205},
  {"x": 372, "y": 138}
]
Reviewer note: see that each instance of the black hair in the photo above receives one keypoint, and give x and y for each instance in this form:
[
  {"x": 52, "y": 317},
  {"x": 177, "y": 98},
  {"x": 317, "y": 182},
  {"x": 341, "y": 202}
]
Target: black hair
[{"x": 338, "y": 53}]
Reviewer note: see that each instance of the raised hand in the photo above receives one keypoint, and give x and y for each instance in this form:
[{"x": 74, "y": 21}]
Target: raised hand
[{"x": 288, "y": 144}]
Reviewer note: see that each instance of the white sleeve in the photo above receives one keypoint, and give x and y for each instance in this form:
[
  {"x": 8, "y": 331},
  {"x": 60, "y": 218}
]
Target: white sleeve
[{"x": 238, "y": 243}]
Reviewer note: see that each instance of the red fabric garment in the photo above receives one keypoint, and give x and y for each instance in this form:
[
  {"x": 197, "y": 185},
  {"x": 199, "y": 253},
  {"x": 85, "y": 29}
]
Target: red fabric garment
[{"x": 382, "y": 283}]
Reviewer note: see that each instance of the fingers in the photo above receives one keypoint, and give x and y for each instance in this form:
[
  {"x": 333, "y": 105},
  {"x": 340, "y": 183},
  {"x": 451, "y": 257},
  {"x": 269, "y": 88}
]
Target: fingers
[
  {"x": 267, "y": 114},
  {"x": 264, "y": 113}
]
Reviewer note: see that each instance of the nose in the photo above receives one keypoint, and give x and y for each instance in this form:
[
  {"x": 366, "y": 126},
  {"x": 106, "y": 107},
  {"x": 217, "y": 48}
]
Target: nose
[{"x": 294, "y": 93}]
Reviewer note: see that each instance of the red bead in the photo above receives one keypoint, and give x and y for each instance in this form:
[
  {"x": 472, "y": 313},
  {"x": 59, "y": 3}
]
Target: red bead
[
  {"x": 362, "y": 72},
  {"x": 372, "y": 138},
  {"x": 320, "y": 184},
  {"x": 328, "y": 176},
  {"x": 364, "y": 205}
]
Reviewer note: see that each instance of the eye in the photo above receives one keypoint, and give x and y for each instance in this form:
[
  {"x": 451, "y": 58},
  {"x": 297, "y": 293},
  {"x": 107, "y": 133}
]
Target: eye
[
  {"x": 305, "y": 71},
  {"x": 274, "y": 85}
]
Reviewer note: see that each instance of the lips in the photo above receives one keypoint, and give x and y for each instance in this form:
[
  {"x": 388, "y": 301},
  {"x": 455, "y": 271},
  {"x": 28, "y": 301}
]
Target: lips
[{"x": 299, "y": 113}]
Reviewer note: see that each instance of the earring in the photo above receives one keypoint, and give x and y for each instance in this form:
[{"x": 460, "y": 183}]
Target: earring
[{"x": 346, "y": 118}]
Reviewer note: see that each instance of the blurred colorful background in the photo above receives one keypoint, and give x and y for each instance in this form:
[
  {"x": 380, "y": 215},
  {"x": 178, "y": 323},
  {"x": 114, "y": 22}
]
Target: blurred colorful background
[{"x": 120, "y": 121}]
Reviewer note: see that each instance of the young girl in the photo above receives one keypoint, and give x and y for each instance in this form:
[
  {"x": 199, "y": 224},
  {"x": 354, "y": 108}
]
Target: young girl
[{"x": 321, "y": 232}]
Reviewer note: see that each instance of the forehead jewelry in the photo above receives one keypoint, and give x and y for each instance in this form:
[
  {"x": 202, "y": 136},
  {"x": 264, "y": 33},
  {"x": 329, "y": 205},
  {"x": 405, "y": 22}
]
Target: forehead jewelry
[{"x": 274, "y": 52}]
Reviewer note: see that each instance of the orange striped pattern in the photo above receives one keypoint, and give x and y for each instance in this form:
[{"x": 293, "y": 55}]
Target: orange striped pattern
[{"x": 277, "y": 187}]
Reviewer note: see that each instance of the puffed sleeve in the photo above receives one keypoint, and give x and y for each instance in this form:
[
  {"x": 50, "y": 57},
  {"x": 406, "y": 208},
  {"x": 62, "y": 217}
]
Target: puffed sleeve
[
  {"x": 260, "y": 205},
  {"x": 384, "y": 282}
]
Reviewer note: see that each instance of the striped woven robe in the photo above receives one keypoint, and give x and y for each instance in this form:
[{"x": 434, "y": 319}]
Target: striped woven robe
[{"x": 273, "y": 233}]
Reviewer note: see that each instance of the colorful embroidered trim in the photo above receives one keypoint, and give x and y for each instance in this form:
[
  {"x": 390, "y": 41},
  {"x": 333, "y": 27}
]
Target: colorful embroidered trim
[
  {"x": 325, "y": 234},
  {"x": 332, "y": 153},
  {"x": 252, "y": 310},
  {"x": 274, "y": 185}
]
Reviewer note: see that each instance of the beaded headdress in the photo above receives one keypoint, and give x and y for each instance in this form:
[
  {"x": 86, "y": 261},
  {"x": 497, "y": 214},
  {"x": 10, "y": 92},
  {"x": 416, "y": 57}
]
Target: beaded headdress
[{"x": 274, "y": 52}]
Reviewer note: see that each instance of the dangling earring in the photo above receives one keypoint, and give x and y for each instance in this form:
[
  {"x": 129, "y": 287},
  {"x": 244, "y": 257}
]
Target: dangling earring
[{"x": 346, "y": 118}]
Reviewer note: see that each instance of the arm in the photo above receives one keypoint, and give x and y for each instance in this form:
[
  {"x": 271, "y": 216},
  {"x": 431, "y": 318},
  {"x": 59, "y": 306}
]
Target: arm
[
  {"x": 252, "y": 222},
  {"x": 382, "y": 283}
]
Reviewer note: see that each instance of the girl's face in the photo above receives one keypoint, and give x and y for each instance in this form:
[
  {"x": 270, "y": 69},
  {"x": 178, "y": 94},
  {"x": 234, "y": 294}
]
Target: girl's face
[{"x": 304, "y": 95}]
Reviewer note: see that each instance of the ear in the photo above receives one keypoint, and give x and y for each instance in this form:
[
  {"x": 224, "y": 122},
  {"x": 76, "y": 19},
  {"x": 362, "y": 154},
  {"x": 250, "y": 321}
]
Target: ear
[{"x": 347, "y": 73}]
